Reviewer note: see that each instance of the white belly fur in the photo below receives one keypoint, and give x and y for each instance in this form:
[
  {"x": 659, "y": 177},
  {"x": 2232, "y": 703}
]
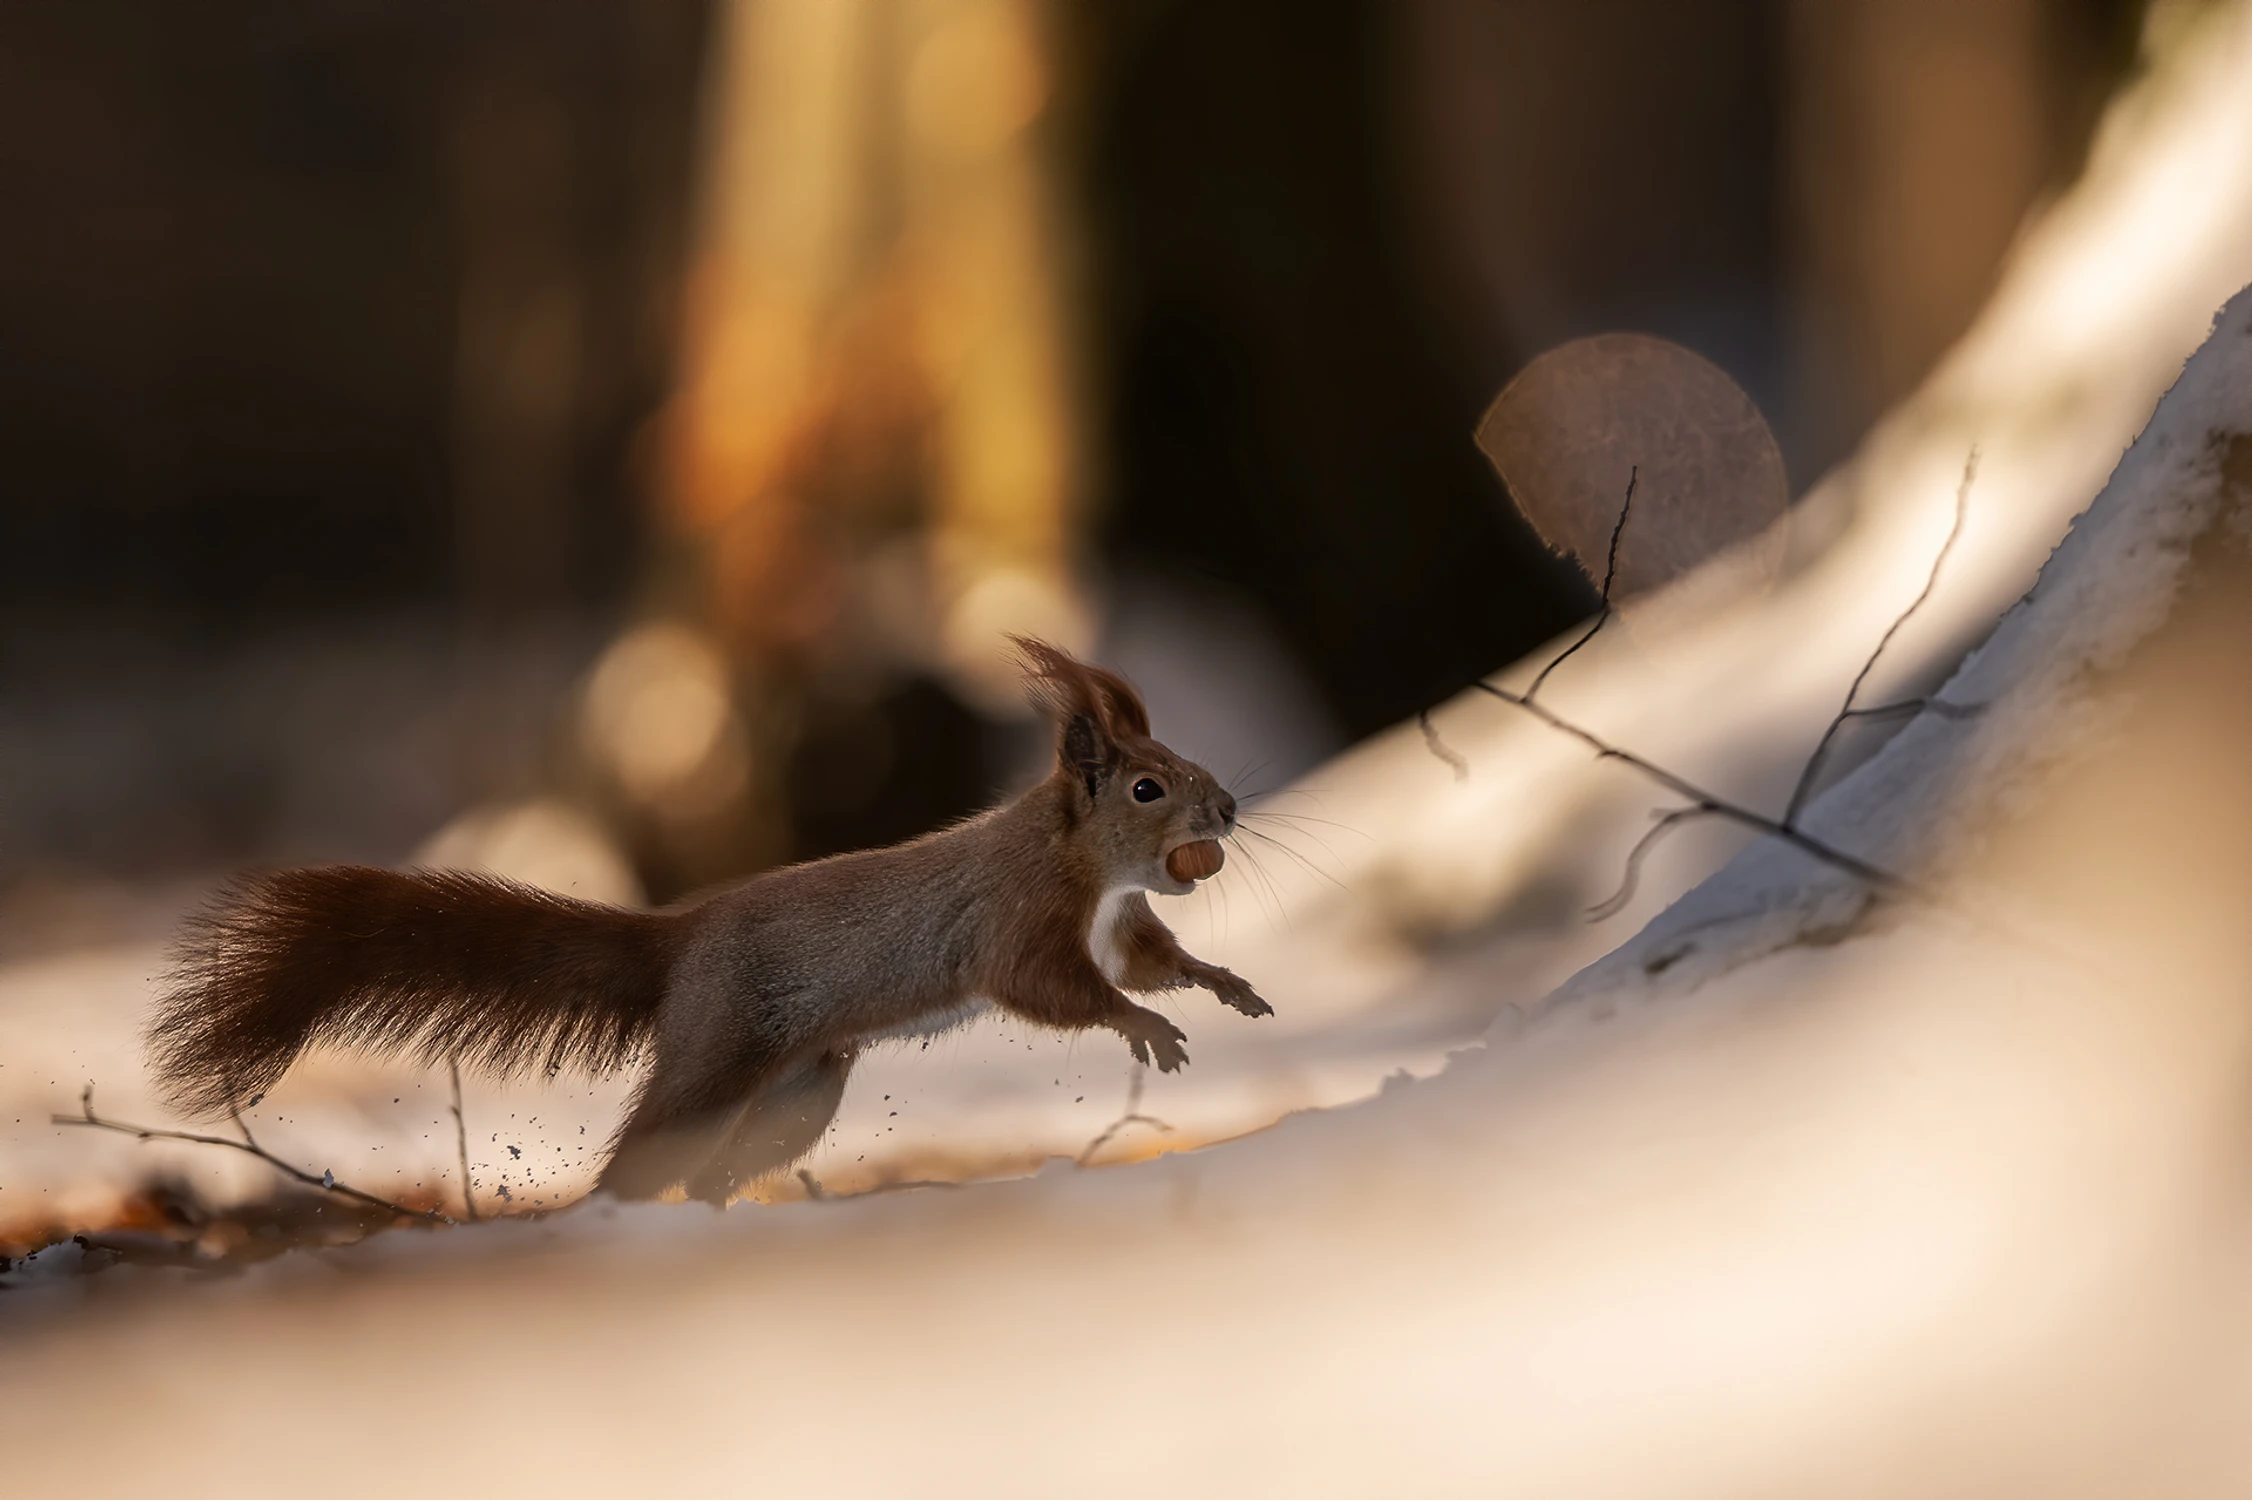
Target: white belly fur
[{"x": 1103, "y": 933}]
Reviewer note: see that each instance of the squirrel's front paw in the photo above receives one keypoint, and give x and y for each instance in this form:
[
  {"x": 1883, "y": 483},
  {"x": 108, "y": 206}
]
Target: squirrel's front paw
[
  {"x": 1234, "y": 993},
  {"x": 1243, "y": 997},
  {"x": 1151, "y": 1036}
]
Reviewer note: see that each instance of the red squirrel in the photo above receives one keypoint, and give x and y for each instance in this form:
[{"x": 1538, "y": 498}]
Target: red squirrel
[{"x": 752, "y": 1002}]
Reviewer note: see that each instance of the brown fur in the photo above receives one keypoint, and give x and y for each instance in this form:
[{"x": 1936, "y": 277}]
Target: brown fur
[
  {"x": 434, "y": 963},
  {"x": 755, "y": 1002}
]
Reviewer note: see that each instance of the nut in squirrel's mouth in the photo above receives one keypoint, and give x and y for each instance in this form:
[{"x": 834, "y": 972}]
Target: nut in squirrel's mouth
[{"x": 1190, "y": 863}]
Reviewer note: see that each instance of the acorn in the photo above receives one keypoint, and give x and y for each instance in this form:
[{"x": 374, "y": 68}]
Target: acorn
[{"x": 1197, "y": 861}]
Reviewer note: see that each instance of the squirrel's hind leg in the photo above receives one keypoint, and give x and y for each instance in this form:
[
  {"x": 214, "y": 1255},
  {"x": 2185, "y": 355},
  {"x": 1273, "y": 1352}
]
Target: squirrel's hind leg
[
  {"x": 776, "y": 1126},
  {"x": 681, "y": 1117}
]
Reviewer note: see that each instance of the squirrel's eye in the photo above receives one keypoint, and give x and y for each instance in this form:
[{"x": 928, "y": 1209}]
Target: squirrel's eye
[{"x": 1147, "y": 790}]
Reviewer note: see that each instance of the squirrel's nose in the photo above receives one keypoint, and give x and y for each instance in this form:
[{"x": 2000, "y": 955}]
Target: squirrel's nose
[{"x": 1225, "y": 802}]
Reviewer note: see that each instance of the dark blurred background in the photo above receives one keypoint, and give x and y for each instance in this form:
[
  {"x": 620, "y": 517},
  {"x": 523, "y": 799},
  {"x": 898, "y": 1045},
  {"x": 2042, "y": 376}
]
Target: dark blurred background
[{"x": 651, "y": 411}]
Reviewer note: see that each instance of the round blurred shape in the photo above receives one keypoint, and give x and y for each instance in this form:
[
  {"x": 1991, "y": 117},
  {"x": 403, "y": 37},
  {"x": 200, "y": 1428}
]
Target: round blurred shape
[
  {"x": 659, "y": 715},
  {"x": 999, "y": 603},
  {"x": 545, "y": 842},
  {"x": 1576, "y": 423}
]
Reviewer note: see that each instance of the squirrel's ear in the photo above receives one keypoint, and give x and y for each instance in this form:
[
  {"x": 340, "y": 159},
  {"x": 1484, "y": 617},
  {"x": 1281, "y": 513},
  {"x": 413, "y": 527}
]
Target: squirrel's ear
[
  {"x": 1093, "y": 708},
  {"x": 1081, "y": 750},
  {"x": 1122, "y": 709}
]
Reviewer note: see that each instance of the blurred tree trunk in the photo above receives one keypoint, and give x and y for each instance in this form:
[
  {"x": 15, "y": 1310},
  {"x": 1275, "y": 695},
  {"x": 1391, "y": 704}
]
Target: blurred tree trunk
[
  {"x": 1921, "y": 133},
  {"x": 566, "y": 183}
]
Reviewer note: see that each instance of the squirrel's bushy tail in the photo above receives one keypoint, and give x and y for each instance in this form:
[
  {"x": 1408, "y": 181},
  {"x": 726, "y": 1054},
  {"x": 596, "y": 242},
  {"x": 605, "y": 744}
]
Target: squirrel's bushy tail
[{"x": 440, "y": 964}]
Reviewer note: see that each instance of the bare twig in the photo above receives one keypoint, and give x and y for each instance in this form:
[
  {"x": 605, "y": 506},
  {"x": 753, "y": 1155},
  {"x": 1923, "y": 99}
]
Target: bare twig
[
  {"x": 1813, "y": 766},
  {"x": 461, "y": 1145},
  {"x": 818, "y": 1193},
  {"x": 905, "y": 1185},
  {"x": 1613, "y": 904},
  {"x": 1440, "y": 748},
  {"x": 249, "y": 1146},
  {"x": 1610, "y": 576},
  {"x": 1703, "y": 803},
  {"x": 1451, "y": 756},
  {"x": 1132, "y": 1116},
  {"x": 1720, "y": 807},
  {"x": 1939, "y": 706}
]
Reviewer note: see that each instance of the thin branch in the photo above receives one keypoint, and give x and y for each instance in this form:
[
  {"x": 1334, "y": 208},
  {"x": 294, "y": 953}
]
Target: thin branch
[
  {"x": 1452, "y": 757},
  {"x": 1440, "y": 748},
  {"x": 461, "y": 1144},
  {"x": 1610, "y": 576},
  {"x": 1132, "y": 1116},
  {"x": 1613, "y": 904},
  {"x": 1704, "y": 803},
  {"x": 906, "y": 1185},
  {"x": 1721, "y": 807},
  {"x": 1813, "y": 767},
  {"x": 247, "y": 1145},
  {"x": 816, "y": 1192},
  {"x": 1939, "y": 706}
]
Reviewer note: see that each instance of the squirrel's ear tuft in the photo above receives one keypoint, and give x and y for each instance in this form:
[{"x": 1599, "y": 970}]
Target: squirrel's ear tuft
[{"x": 1093, "y": 708}]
